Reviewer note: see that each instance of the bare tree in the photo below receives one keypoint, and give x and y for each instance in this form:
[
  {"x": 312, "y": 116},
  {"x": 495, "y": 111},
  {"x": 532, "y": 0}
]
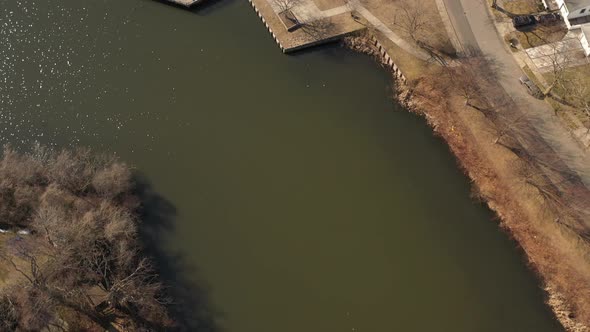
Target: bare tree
[
  {"x": 560, "y": 60},
  {"x": 412, "y": 19},
  {"x": 470, "y": 77},
  {"x": 112, "y": 180},
  {"x": 285, "y": 5},
  {"x": 8, "y": 314},
  {"x": 580, "y": 94}
]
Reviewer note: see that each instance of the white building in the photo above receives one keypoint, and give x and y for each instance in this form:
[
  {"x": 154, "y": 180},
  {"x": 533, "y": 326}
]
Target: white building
[{"x": 576, "y": 14}]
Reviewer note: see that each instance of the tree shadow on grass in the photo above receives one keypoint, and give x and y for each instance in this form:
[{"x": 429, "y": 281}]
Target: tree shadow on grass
[{"x": 191, "y": 307}]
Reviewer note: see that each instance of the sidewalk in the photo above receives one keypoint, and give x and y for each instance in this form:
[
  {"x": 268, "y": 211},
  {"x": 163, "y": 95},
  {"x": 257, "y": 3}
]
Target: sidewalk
[{"x": 473, "y": 18}]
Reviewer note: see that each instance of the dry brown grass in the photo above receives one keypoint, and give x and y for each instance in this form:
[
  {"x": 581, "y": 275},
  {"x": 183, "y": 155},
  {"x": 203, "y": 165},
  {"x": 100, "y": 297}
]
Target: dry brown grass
[
  {"x": 436, "y": 36},
  {"x": 540, "y": 35},
  {"x": 573, "y": 75},
  {"x": 554, "y": 252},
  {"x": 520, "y": 7},
  {"x": 412, "y": 67},
  {"x": 329, "y": 4},
  {"x": 4, "y": 270},
  {"x": 508, "y": 8}
]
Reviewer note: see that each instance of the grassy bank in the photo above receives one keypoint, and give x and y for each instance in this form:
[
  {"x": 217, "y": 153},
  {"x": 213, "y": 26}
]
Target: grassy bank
[{"x": 506, "y": 176}]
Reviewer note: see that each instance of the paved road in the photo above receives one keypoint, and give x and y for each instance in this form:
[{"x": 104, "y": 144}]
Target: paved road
[{"x": 475, "y": 29}]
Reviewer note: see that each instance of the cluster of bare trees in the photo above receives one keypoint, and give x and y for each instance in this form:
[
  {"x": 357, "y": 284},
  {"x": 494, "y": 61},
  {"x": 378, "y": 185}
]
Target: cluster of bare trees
[
  {"x": 562, "y": 192},
  {"x": 81, "y": 268}
]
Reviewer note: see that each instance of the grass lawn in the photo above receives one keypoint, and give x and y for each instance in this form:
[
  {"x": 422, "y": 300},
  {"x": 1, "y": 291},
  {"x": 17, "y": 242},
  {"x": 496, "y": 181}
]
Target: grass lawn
[
  {"x": 4, "y": 268},
  {"x": 508, "y": 8},
  {"x": 533, "y": 77},
  {"x": 580, "y": 74},
  {"x": 521, "y": 7}
]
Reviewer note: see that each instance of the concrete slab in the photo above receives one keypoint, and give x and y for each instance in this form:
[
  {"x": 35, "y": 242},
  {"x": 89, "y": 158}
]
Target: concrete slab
[
  {"x": 317, "y": 27},
  {"x": 569, "y": 51}
]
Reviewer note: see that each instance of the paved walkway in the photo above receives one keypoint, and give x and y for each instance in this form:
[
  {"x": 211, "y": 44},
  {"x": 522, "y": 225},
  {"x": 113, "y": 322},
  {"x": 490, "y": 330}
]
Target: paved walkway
[
  {"x": 307, "y": 11},
  {"x": 569, "y": 51},
  {"x": 379, "y": 25}
]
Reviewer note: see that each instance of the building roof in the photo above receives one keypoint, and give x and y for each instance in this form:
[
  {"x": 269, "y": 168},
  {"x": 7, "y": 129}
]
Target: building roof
[{"x": 573, "y": 5}]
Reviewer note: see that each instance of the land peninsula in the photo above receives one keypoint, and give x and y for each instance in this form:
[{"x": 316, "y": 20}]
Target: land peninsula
[{"x": 72, "y": 253}]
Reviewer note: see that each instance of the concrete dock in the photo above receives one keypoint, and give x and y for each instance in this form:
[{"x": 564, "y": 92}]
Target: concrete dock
[
  {"x": 303, "y": 25},
  {"x": 314, "y": 25}
]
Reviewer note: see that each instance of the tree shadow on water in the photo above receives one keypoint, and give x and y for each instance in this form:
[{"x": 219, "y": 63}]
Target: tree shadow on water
[{"x": 190, "y": 307}]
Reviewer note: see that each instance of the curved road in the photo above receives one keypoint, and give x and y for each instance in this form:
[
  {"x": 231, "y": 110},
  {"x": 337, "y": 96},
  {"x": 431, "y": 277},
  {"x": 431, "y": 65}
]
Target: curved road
[{"x": 475, "y": 30}]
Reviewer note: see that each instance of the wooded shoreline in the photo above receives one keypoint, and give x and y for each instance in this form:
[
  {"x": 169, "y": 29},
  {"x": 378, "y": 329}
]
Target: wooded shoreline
[{"x": 555, "y": 251}]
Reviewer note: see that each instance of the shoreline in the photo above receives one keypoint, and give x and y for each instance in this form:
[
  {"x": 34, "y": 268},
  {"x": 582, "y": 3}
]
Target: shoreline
[
  {"x": 555, "y": 250},
  {"x": 538, "y": 243}
]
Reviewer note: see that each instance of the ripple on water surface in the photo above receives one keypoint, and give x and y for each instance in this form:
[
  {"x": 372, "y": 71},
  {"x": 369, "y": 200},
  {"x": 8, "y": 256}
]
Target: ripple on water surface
[{"x": 54, "y": 58}]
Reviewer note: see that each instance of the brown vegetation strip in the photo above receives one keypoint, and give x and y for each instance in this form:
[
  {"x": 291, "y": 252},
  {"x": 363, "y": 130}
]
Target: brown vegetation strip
[{"x": 535, "y": 196}]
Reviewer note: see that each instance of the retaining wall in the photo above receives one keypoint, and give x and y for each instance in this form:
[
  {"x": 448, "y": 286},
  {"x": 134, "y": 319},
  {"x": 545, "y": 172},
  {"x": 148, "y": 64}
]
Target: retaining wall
[
  {"x": 388, "y": 61},
  {"x": 267, "y": 27},
  {"x": 385, "y": 58}
]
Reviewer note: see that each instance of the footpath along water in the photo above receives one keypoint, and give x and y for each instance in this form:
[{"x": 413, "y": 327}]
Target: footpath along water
[{"x": 299, "y": 196}]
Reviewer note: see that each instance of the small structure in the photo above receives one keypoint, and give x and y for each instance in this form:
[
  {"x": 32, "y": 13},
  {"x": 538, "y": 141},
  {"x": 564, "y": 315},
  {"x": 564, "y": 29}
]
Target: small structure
[
  {"x": 289, "y": 20},
  {"x": 575, "y": 12},
  {"x": 304, "y": 26},
  {"x": 584, "y": 38},
  {"x": 185, "y": 3}
]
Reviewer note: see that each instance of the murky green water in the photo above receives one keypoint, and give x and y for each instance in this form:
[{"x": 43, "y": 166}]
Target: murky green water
[{"x": 305, "y": 199}]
